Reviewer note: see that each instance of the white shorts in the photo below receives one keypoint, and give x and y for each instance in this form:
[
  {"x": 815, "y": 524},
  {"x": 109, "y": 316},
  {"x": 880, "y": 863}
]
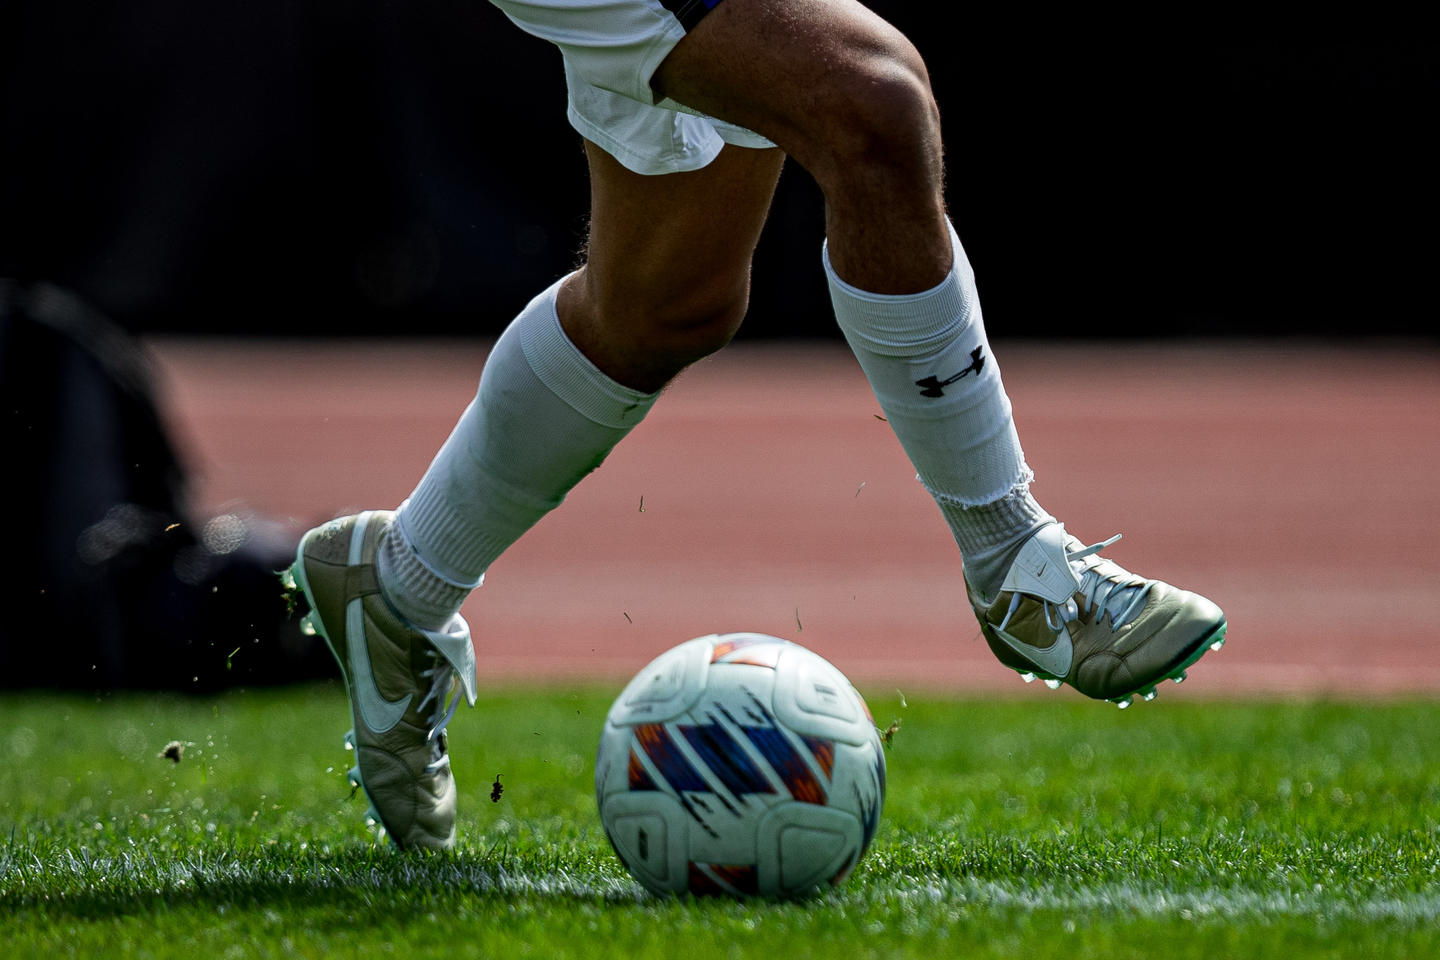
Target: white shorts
[{"x": 611, "y": 49}]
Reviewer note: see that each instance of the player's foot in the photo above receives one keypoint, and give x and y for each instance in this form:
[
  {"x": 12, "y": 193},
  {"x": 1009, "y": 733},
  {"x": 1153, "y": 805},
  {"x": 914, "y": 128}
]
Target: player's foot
[
  {"x": 1067, "y": 615},
  {"x": 401, "y": 680}
]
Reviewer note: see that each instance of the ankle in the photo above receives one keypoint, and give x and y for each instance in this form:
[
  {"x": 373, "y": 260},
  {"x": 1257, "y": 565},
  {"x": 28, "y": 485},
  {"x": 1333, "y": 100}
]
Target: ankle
[
  {"x": 412, "y": 589},
  {"x": 990, "y": 535}
]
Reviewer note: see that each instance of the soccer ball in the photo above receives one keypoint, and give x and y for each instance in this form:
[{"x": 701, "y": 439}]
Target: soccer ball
[{"x": 739, "y": 764}]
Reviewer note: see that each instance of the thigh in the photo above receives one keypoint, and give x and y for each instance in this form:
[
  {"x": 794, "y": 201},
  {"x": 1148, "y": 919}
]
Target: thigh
[{"x": 807, "y": 74}]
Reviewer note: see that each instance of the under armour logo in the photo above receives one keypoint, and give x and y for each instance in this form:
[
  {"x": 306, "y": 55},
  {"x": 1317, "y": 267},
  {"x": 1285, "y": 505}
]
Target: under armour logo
[{"x": 935, "y": 387}]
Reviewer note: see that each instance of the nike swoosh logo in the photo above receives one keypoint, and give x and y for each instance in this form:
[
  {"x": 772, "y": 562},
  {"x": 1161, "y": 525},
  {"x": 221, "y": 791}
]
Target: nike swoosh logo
[
  {"x": 1054, "y": 659},
  {"x": 376, "y": 712}
]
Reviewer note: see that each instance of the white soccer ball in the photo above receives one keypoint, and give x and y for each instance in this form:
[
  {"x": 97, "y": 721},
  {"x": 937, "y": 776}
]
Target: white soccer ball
[{"x": 740, "y": 764}]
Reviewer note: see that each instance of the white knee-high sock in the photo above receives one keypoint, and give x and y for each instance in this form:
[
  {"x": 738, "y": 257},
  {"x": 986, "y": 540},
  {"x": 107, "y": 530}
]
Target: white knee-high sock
[
  {"x": 929, "y": 362},
  {"x": 544, "y": 416}
]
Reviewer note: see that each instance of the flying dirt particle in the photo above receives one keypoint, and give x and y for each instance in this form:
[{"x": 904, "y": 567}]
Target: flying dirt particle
[
  {"x": 887, "y": 736},
  {"x": 496, "y": 790},
  {"x": 173, "y": 751}
]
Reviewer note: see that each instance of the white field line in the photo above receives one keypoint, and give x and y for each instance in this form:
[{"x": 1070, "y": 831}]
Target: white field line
[
  {"x": 1124, "y": 898},
  {"x": 1090, "y": 900}
]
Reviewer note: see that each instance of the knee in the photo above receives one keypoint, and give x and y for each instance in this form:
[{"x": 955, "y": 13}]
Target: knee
[
  {"x": 878, "y": 116},
  {"x": 694, "y": 323},
  {"x": 644, "y": 332}
]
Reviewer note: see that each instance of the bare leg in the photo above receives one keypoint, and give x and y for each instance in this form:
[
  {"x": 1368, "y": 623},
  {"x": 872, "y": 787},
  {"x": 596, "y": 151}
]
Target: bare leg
[
  {"x": 667, "y": 277},
  {"x": 848, "y": 97}
]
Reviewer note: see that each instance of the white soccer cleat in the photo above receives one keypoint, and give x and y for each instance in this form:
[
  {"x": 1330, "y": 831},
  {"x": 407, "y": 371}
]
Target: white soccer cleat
[
  {"x": 1067, "y": 615},
  {"x": 404, "y": 683}
]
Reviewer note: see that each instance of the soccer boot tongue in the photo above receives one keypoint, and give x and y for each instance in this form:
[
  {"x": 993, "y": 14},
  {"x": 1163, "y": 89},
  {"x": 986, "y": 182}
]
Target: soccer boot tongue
[
  {"x": 455, "y": 647},
  {"x": 1042, "y": 569}
]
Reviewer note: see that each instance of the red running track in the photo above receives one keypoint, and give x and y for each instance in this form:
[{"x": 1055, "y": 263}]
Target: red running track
[{"x": 1294, "y": 484}]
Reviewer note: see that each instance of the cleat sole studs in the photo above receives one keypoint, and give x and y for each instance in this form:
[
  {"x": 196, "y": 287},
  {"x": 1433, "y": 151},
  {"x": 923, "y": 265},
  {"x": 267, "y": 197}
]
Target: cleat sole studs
[
  {"x": 1027, "y": 677},
  {"x": 1179, "y": 677},
  {"x": 1054, "y": 684},
  {"x": 1218, "y": 644},
  {"x": 1148, "y": 695},
  {"x": 1124, "y": 702},
  {"x": 307, "y": 626}
]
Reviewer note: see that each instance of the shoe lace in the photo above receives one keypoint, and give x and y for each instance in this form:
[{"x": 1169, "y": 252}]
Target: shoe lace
[
  {"x": 444, "y": 698},
  {"x": 1105, "y": 587}
]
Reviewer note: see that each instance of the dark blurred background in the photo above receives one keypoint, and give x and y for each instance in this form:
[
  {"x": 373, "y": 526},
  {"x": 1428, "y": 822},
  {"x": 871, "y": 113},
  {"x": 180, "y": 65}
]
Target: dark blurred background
[
  {"x": 362, "y": 168},
  {"x": 369, "y": 167}
]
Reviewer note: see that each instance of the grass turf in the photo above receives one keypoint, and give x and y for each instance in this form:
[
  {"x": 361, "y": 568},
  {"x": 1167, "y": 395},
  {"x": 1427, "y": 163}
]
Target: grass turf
[{"x": 1045, "y": 827}]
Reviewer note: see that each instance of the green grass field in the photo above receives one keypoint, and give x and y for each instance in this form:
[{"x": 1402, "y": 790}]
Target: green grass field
[{"x": 1048, "y": 827}]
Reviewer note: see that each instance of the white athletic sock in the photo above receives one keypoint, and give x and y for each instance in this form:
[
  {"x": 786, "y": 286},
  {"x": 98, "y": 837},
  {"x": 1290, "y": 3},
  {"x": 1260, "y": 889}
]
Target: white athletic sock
[
  {"x": 543, "y": 418},
  {"x": 990, "y": 535},
  {"x": 928, "y": 361}
]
